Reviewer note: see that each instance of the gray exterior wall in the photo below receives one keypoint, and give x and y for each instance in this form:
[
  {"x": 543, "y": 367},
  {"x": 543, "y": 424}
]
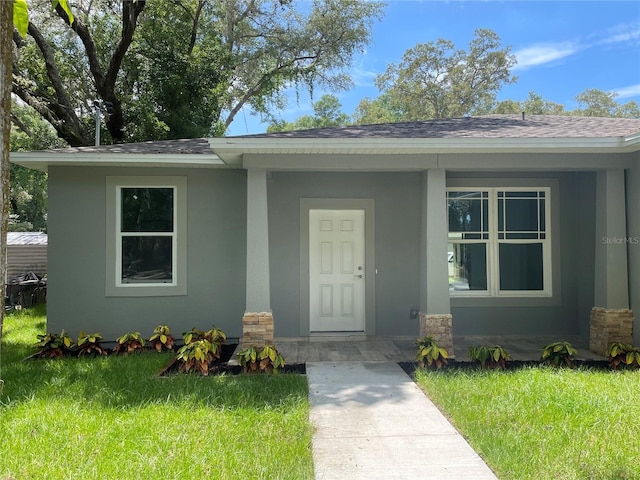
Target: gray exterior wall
[
  {"x": 397, "y": 199},
  {"x": 633, "y": 247},
  {"x": 573, "y": 237},
  {"x": 216, "y": 252}
]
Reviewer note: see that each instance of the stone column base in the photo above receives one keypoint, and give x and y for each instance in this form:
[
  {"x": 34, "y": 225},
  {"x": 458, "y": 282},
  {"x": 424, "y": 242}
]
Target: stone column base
[
  {"x": 608, "y": 326},
  {"x": 440, "y": 328},
  {"x": 257, "y": 329}
]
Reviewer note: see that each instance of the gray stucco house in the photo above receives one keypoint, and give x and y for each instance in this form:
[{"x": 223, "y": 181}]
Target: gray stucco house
[{"x": 511, "y": 225}]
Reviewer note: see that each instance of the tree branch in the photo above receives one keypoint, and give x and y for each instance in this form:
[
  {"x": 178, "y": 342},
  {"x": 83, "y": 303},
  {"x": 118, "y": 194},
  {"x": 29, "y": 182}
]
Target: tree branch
[
  {"x": 20, "y": 124},
  {"x": 62, "y": 104}
]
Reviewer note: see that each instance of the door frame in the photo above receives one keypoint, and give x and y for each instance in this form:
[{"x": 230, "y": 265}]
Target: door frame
[{"x": 366, "y": 204}]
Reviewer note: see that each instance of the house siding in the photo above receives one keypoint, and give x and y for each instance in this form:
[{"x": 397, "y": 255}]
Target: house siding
[
  {"x": 397, "y": 198},
  {"x": 633, "y": 247},
  {"x": 216, "y": 253},
  {"x": 566, "y": 312}
]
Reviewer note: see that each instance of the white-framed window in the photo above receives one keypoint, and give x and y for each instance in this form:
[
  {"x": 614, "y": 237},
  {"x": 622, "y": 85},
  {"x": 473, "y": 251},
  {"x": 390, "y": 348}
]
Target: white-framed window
[
  {"x": 499, "y": 241},
  {"x": 146, "y": 235}
]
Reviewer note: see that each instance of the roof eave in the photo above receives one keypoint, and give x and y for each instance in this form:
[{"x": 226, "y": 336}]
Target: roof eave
[
  {"x": 43, "y": 160},
  {"x": 232, "y": 150}
]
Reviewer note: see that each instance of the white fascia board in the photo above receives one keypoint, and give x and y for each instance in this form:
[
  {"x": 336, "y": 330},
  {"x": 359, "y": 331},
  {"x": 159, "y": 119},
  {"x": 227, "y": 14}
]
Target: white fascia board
[
  {"x": 631, "y": 143},
  {"x": 43, "y": 160},
  {"x": 232, "y": 149}
]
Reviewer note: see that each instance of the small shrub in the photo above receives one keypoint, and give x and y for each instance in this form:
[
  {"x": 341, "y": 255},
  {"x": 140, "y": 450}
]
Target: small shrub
[
  {"x": 129, "y": 342},
  {"x": 215, "y": 335},
  {"x": 162, "y": 338},
  {"x": 264, "y": 360},
  {"x": 623, "y": 355},
  {"x": 431, "y": 353},
  {"x": 53, "y": 345},
  {"x": 90, "y": 344},
  {"x": 489, "y": 357},
  {"x": 197, "y": 355},
  {"x": 559, "y": 354}
]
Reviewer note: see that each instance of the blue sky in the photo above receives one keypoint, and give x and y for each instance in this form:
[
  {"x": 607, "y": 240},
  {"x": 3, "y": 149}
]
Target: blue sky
[{"x": 562, "y": 47}]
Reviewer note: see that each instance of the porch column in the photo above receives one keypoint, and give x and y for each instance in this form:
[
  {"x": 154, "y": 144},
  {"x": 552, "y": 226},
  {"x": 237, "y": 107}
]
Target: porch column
[
  {"x": 611, "y": 318},
  {"x": 435, "y": 315},
  {"x": 257, "y": 322}
]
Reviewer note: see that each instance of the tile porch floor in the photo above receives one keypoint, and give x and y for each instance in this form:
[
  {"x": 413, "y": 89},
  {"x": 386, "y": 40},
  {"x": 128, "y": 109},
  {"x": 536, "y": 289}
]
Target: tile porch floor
[{"x": 402, "y": 349}]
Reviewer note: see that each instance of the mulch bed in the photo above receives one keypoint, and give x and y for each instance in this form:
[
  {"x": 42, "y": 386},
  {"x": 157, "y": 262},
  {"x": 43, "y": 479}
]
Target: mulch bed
[
  {"x": 221, "y": 366},
  {"x": 410, "y": 367}
]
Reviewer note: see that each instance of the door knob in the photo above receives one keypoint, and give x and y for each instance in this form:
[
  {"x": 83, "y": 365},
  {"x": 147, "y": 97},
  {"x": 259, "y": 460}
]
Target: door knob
[{"x": 358, "y": 276}]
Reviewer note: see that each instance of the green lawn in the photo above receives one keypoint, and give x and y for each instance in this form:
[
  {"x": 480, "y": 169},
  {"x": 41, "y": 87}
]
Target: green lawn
[
  {"x": 544, "y": 423},
  {"x": 113, "y": 417}
]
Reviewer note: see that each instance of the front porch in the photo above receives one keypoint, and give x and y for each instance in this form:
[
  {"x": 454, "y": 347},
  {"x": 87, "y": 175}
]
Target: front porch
[{"x": 402, "y": 349}]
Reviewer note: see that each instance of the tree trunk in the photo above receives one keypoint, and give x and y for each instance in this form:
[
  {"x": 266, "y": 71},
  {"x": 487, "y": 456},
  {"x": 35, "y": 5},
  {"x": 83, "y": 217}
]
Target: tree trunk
[{"x": 6, "y": 51}]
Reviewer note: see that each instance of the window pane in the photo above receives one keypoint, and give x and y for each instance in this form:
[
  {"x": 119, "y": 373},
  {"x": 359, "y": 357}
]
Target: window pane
[
  {"x": 521, "y": 266},
  {"x": 147, "y": 209},
  {"x": 467, "y": 266},
  {"x": 467, "y": 212},
  {"x": 147, "y": 259},
  {"x": 522, "y": 215}
]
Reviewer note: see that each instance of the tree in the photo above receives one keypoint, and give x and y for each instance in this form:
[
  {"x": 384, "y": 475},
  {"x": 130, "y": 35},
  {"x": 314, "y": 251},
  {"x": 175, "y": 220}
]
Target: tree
[
  {"x": 28, "y": 192},
  {"x": 46, "y": 73},
  {"x": 327, "y": 113},
  {"x": 6, "y": 26},
  {"x": 182, "y": 68},
  {"x": 436, "y": 80},
  {"x": 596, "y": 103},
  {"x": 533, "y": 105},
  {"x": 592, "y": 103},
  {"x": 379, "y": 110}
]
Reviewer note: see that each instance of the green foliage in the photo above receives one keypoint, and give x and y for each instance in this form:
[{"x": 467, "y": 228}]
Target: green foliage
[
  {"x": 115, "y": 415},
  {"x": 215, "y": 335},
  {"x": 541, "y": 423},
  {"x": 326, "y": 111},
  {"x": 591, "y": 103},
  {"x": 90, "y": 344},
  {"x": 430, "y": 353},
  {"x": 53, "y": 345},
  {"x": 264, "y": 360},
  {"x": 437, "y": 80},
  {"x": 489, "y": 357},
  {"x": 197, "y": 355},
  {"x": 129, "y": 342},
  {"x": 21, "y": 16},
  {"x": 596, "y": 103},
  {"x": 162, "y": 338},
  {"x": 559, "y": 354},
  {"x": 623, "y": 355},
  {"x": 182, "y": 69}
]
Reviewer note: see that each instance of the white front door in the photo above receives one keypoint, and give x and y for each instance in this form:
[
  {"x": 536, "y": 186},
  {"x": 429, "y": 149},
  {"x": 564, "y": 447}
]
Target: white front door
[{"x": 336, "y": 271}]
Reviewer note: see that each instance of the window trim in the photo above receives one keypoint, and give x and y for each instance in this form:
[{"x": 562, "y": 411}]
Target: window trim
[
  {"x": 113, "y": 282},
  {"x": 493, "y": 244}
]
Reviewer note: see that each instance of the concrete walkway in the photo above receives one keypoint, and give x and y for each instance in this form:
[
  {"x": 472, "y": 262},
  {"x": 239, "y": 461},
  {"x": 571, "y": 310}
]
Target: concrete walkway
[{"x": 373, "y": 422}]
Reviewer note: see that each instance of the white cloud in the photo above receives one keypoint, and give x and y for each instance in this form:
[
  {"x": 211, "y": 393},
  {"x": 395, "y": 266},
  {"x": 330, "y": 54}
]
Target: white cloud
[
  {"x": 628, "y": 92},
  {"x": 541, "y": 54},
  {"x": 362, "y": 77},
  {"x": 628, "y": 33}
]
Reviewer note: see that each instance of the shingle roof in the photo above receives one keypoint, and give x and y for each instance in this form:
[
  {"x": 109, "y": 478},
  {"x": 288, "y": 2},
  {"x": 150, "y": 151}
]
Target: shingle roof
[
  {"x": 483, "y": 126},
  {"x": 174, "y": 147}
]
